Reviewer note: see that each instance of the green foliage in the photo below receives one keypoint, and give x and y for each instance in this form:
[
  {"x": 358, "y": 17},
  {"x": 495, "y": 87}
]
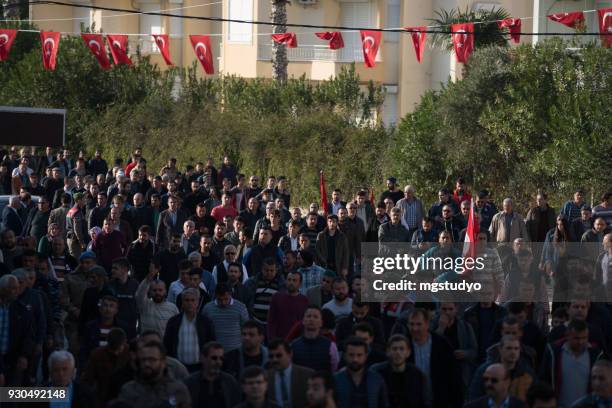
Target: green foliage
[
  {"x": 294, "y": 128},
  {"x": 522, "y": 119},
  {"x": 486, "y": 33}
]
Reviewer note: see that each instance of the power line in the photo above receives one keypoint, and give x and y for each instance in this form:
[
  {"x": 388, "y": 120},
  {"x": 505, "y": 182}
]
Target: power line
[{"x": 268, "y": 23}]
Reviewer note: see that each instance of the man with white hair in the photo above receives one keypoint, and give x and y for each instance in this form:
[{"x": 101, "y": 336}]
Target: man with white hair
[
  {"x": 412, "y": 210},
  {"x": 16, "y": 323},
  {"x": 507, "y": 225},
  {"x": 61, "y": 374},
  {"x": 10, "y": 216},
  {"x": 190, "y": 240}
]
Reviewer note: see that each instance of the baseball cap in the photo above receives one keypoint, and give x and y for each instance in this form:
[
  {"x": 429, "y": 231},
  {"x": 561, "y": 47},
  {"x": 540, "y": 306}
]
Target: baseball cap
[
  {"x": 87, "y": 255},
  {"x": 392, "y": 180},
  {"x": 78, "y": 196}
]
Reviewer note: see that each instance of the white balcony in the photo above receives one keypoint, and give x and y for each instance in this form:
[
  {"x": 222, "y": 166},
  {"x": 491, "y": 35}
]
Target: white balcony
[{"x": 314, "y": 53}]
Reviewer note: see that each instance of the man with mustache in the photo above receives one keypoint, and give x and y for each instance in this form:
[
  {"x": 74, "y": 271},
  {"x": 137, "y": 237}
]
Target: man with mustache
[{"x": 497, "y": 382}]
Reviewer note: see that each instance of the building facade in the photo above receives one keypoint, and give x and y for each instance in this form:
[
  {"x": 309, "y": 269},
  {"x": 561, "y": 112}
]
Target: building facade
[{"x": 245, "y": 49}]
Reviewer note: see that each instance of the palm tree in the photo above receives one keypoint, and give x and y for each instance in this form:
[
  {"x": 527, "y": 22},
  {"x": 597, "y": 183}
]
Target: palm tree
[
  {"x": 486, "y": 34},
  {"x": 278, "y": 15}
]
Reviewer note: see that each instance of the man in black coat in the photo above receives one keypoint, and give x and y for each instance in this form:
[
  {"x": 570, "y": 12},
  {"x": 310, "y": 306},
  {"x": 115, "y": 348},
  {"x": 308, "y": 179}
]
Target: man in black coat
[
  {"x": 407, "y": 385},
  {"x": 210, "y": 386},
  {"x": 497, "y": 382},
  {"x": 170, "y": 222},
  {"x": 62, "y": 373}
]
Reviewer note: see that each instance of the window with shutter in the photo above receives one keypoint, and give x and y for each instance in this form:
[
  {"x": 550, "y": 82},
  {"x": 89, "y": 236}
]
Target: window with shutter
[{"x": 240, "y": 10}]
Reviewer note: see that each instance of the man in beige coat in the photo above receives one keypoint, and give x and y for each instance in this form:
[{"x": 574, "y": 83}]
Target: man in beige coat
[{"x": 508, "y": 225}]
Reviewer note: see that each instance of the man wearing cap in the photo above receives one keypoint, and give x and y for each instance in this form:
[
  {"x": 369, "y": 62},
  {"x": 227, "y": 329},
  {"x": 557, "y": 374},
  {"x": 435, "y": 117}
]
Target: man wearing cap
[
  {"x": 76, "y": 226},
  {"x": 393, "y": 192}
]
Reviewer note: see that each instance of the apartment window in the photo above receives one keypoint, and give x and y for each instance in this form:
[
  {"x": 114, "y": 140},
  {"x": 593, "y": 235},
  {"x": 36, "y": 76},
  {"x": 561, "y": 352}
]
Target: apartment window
[
  {"x": 82, "y": 18},
  {"x": 354, "y": 14},
  {"x": 240, "y": 10},
  {"x": 150, "y": 24},
  {"x": 392, "y": 20}
]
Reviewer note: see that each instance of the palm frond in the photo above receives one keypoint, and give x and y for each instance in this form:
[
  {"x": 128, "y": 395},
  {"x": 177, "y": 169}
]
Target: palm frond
[{"x": 487, "y": 32}]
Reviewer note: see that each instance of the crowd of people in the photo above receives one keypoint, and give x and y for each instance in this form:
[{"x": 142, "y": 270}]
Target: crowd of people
[{"x": 201, "y": 287}]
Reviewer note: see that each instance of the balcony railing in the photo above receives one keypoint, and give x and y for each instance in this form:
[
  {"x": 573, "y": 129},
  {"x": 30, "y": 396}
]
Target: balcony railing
[{"x": 314, "y": 53}]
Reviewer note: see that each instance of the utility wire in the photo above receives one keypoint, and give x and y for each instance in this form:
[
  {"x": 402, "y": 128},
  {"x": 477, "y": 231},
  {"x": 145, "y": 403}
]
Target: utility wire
[{"x": 268, "y": 23}]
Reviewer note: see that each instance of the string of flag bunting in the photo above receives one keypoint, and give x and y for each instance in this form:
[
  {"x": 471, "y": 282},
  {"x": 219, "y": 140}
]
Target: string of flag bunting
[{"x": 462, "y": 36}]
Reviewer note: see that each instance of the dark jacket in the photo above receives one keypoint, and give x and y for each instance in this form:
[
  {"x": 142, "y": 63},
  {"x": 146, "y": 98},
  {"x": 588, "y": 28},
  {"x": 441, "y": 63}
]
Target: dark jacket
[
  {"x": 414, "y": 392},
  {"x": 551, "y": 367},
  {"x": 234, "y": 361},
  {"x": 140, "y": 256},
  {"x": 539, "y": 222},
  {"x": 483, "y": 402},
  {"x": 298, "y": 386},
  {"x": 588, "y": 401},
  {"x": 345, "y": 325},
  {"x": 165, "y": 228},
  {"x": 21, "y": 337},
  {"x": 204, "y": 328},
  {"x": 342, "y": 250},
  {"x": 375, "y": 385},
  {"x": 229, "y": 387},
  {"x": 11, "y": 220},
  {"x": 446, "y": 384},
  {"x": 521, "y": 378},
  {"x": 140, "y": 216}
]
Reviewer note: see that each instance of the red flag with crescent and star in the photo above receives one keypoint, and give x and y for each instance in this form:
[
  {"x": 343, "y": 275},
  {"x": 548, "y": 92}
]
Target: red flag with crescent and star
[
  {"x": 463, "y": 40},
  {"x": 335, "y": 39},
  {"x": 163, "y": 43},
  {"x": 418, "y": 39},
  {"x": 604, "y": 16},
  {"x": 514, "y": 26},
  {"x": 118, "y": 48},
  {"x": 50, "y": 43},
  {"x": 471, "y": 235},
  {"x": 370, "y": 40},
  {"x": 95, "y": 43},
  {"x": 323, "y": 192},
  {"x": 203, "y": 52},
  {"x": 574, "y": 19},
  {"x": 288, "y": 39},
  {"x": 6, "y": 41}
]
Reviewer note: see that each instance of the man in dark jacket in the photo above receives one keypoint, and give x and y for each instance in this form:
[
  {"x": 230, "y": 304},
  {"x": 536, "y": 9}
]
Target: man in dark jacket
[
  {"x": 540, "y": 219},
  {"x": 140, "y": 253},
  {"x": 170, "y": 222},
  {"x": 76, "y": 226},
  {"x": 601, "y": 384},
  {"x": 407, "y": 385},
  {"x": 354, "y": 383},
  {"x": 175, "y": 342},
  {"x": 210, "y": 386},
  {"x": 253, "y": 258},
  {"x": 497, "y": 383},
  {"x": 360, "y": 313},
  {"x": 332, "y": 247},
  {"x": 17, "y": 343},
  {"x": 124, "y": 288}
]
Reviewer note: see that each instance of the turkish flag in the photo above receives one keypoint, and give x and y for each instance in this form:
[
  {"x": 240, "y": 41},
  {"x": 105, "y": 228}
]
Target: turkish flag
[
  {"x": 323, "y": 192},
  {"x": 118, "y": 49},
  {"x": 604, "y": 16},
  {"x": 514, "y": 25},
  {"x": 418, "y": 39},
  {"x": 289, "y": 39},
  {"x": 163, "y": 43},
  {"x": 203, "y": 51},
  {"x": 6, "y": 40},
  {"x": 463, "y": 40},
  {"x": 573, "y": 20},
  {"x": 50, "y": 43},
  {"x": 96, "y": 44},
  {"x": 471, "y": 235},
  {"x": 370, "y": 40},
  {"x": 335, "y": 39}
]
